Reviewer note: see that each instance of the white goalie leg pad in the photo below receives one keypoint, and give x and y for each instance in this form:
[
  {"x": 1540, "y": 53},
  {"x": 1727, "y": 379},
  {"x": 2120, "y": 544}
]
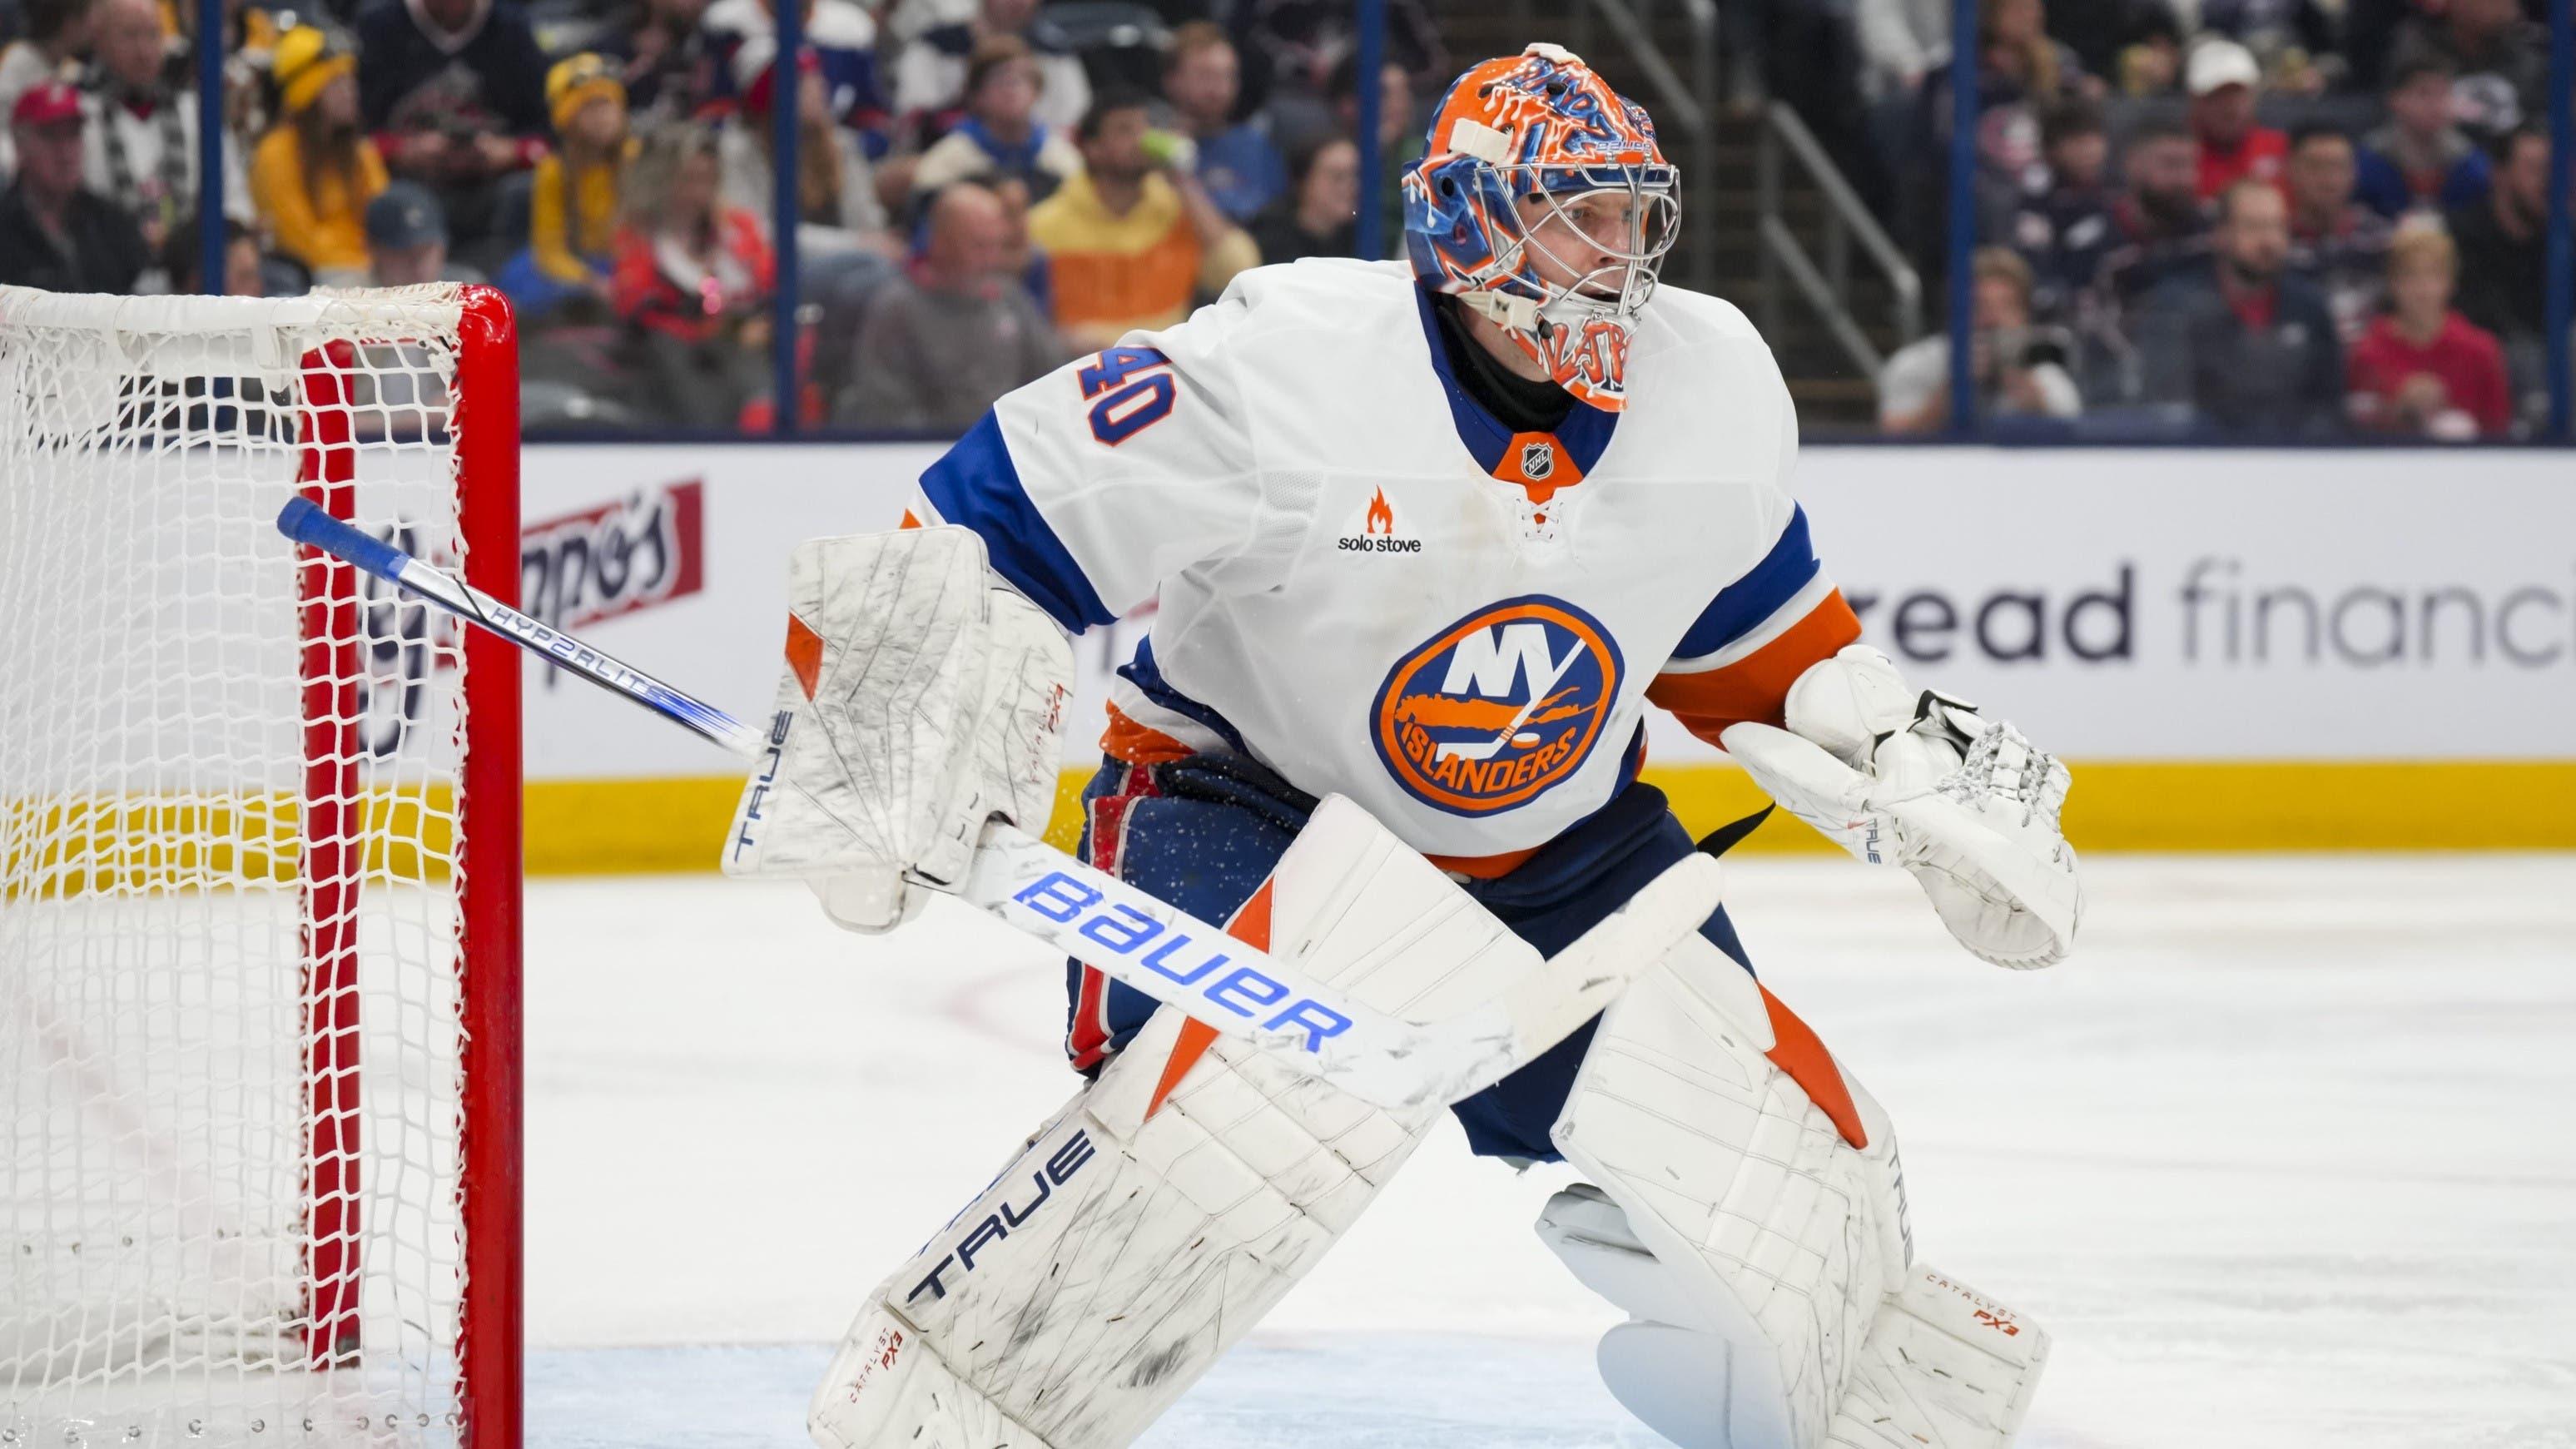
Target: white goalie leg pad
[
  {"x": 1754, "y": 1215},
  {"x": 886, "y": 1387},
  {"x": 1944, "y": 1366},
  {"x": 1173, "y": 1202}
]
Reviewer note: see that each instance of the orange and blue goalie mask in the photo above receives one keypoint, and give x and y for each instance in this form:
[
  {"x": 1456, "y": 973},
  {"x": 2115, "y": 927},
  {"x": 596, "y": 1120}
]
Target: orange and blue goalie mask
[{"x": 1544, "y": 204}]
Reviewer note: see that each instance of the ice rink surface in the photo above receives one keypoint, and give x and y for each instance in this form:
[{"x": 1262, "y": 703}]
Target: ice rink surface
[{"x": 2283, "y": 1158}]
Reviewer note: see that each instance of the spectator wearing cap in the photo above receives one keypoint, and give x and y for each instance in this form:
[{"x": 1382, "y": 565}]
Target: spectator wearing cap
[
  {"x": 2335, "y": 241},
  {"x": 2419, "y": 158},
  {"x": 2295, "y": 40},
  {"x": 1202, "y": 81},
  {"x": 1001, "y": 134},
  {"x": 2020, "y": 373},
  {"x": 2500, "y": 61},
  {"x": 2065, "y": 231},
  {"x": 2247, "y": 344},
  {"x": 407, "y": 239},
  {"x": 693, "y": 284},
  {"x": 54, "y": 233},
  {"x": 841, "y": 34},
  {"x": 2504, "y": 256},
  {"x": 1319, "y": 217},
  {"x": 53, "y": 40},
  {"x": 2423, "y": 369},
  {"x": 454, "y": 92},
  {"x": 954, "y": 333},
  {"x": 141, "y": 141},
  {"x": 1133, "y": 239},
  {"x": 573, "y": 209},
  {"x": 938, "y": 44},
  {"x": 2221, "y": 76},
  {"x": 315, "y": 171}
]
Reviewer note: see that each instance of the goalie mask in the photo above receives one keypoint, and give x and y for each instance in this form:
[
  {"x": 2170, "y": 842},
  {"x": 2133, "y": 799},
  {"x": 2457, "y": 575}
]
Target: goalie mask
[{"x": 1544, "y": 204}]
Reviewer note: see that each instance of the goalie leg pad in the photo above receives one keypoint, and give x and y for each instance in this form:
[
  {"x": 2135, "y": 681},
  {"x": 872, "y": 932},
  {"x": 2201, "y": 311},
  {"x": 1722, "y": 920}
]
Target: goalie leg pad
[
  {"x": 1756, "y": 1231},
  {"x": 1944, "y": 1366},
  {"x": 1125, "y": 1250},
  {"x": 1174, "y": 1201},
  {"x": 886, "y": 1387}
]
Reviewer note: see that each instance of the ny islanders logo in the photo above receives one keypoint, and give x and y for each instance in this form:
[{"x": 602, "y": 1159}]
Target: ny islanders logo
[{"x": 1497, "y": 707}]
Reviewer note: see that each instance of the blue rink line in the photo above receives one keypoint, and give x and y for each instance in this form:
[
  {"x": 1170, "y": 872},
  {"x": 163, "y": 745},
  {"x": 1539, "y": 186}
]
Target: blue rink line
[{"x": 1296, "y": 1391}]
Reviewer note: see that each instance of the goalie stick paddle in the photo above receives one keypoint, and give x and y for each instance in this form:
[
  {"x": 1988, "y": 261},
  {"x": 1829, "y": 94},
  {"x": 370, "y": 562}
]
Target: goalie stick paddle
[{"x": 1396, "y": 1064}]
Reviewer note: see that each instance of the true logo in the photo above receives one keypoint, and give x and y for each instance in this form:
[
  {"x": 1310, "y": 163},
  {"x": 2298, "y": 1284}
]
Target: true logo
[
  {"x": 1498, "y": 707},
  {"x": 1538, "y": 459},
  {"x": 1376, "y": 532}
]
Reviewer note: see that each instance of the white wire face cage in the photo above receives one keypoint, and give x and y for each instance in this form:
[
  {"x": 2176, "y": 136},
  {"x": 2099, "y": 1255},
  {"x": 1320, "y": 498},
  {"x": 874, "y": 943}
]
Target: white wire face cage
[{"x": 1626, "y": 255}]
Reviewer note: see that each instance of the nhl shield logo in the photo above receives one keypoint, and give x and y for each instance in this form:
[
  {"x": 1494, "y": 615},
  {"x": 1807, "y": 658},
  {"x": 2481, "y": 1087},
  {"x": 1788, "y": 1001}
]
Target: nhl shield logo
[
  {"x": 1498, "y": 707},
  {"x": 1538, "y": 459}
]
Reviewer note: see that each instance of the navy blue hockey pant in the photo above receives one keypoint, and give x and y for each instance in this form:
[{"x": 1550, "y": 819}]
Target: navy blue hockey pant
[{"x": 1204, "y": 832}]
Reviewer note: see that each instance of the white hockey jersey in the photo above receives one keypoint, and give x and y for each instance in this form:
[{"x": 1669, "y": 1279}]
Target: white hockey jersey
[{"x": 1369, "y": 584}]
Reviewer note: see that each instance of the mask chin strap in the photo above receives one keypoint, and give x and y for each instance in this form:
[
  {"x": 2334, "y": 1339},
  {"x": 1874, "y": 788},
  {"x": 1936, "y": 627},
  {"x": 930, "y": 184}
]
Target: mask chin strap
[{"x": 1506, "y": 310}]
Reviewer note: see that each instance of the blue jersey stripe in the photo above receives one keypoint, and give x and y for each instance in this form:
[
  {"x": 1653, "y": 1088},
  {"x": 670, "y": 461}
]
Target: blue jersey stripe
[
  {"x": 975, "y": 484},
  {"x": 1147, "y": 676},
  {"x": 1742, "y": 606}
]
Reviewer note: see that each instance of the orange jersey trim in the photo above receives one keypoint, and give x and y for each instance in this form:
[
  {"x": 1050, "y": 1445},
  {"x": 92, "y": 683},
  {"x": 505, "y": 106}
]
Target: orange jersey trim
[
  {"x": 1139, "y": 744},
  {"x": 1485, "y": 867},
  {"x": 1756, "y": 687}
]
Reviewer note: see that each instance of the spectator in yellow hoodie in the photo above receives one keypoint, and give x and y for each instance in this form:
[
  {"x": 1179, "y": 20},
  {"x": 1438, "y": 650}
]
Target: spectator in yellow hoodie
[
  {"x": 573, "y": 213},
  {"x": 314, "y": 172},
  {"x": 1134, "y": 239}
]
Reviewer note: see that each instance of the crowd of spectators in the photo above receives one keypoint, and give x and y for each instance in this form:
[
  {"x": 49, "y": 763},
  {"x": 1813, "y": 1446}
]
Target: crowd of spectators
[
  {"x": 2305, "y": 217},
  {"x": 983, "y": 188},
  {"x": 2284, "y": 217}
]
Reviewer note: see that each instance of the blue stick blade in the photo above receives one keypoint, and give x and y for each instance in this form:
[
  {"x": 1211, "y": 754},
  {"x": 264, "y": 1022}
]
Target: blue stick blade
[{"x": 305, "y": 522}]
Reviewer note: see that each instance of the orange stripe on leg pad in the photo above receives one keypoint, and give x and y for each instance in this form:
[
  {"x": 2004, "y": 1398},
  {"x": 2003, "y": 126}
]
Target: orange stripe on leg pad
[
  {"x": 1251, "y": 926},
  {"x": 804, "y": 653},
  {"x": 1796, "y": 1050}
]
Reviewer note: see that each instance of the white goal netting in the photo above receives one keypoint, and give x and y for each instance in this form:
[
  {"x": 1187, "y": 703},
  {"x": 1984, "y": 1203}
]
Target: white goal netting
[{"x": 234, "y": 876}]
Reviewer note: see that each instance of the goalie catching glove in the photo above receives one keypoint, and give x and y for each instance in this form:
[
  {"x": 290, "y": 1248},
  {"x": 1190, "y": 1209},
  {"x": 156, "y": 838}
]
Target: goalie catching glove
[
  {"x": 1964, "y": 803},
  {"x": 922, "y": 698}
]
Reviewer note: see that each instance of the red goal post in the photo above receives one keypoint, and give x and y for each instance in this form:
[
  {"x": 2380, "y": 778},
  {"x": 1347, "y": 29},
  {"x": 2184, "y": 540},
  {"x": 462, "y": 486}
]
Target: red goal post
[{"x": 259, "y": 875}]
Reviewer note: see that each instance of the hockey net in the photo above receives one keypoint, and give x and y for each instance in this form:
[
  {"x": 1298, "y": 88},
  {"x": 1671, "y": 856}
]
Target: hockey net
[{"x": 258, "y": 876}]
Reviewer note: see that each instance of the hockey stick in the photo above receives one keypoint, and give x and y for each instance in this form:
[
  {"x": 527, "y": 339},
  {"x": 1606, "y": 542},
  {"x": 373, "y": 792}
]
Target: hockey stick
[{"x": 1087, "y": 914}]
